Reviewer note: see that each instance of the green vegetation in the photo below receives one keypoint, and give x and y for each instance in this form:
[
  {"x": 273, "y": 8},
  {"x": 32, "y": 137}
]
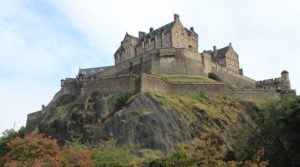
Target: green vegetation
[
  {"x": 278, "y": 131},
  {"x": 205, "y": 152},
  {"x": 187, "y": 78},
  {"x": 108, "y": 154},
  {"x": 118, "y": 101},
  {"x": 6, "y": 137},
  {"x": 273, "y": 142}
]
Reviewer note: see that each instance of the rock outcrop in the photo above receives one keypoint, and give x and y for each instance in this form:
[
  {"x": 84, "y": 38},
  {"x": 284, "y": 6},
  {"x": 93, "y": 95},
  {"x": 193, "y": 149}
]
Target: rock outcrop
[{"x": 146, "y": 120}]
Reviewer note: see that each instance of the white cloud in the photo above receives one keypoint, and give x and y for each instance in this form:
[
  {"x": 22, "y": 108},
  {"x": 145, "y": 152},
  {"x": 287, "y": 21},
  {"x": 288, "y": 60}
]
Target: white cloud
[{"x": 51, "y": 41}]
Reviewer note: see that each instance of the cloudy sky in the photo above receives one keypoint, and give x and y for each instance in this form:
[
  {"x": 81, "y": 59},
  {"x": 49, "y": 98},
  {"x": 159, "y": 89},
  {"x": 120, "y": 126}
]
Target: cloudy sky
[{"x": 43, "y": 41}]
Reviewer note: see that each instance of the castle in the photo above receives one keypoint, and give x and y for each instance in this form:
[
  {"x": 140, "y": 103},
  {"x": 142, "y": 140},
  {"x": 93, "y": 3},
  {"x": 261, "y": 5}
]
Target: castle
[
  {"x": 142, "y": 64},
  {"x": 173, "y": 49}
]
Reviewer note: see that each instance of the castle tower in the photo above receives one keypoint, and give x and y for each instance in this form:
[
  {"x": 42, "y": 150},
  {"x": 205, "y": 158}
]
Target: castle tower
[{"x": 285, "y": 80}]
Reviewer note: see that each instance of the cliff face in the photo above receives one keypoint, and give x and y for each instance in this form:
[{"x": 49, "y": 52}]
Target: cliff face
[{"x": 146, "y": 120}]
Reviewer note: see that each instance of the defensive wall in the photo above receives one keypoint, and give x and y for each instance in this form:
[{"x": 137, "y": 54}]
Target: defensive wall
[
  {"x": 113, "y": 84},
  {"x": 33, "y": 119},
  {"x": 150, "y": 83}
]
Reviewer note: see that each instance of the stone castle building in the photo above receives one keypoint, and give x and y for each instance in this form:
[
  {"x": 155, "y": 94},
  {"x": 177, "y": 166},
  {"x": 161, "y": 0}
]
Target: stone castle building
[
  {"x": 173, "y": 49},
  {"x": 142, "y": 64}
]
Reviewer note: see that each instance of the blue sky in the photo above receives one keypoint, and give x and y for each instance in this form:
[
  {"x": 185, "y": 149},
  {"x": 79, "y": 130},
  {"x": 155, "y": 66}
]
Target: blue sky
[{"x": 43, "y": 41}]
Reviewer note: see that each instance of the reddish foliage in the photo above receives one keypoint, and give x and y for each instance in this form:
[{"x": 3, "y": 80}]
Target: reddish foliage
[{"x": 38, "y": 151}]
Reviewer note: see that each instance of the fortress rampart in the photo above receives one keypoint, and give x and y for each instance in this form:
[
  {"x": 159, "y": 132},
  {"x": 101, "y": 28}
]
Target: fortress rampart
[
  {"x": 150, "y": 83},
  {"x": 153, "y": 83}
]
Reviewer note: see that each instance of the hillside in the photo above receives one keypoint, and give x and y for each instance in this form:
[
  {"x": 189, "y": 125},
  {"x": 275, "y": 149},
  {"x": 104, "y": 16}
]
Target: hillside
[{"x": 146, "y": 120}]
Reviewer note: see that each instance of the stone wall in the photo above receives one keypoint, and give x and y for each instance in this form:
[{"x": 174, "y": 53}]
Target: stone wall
[
  {"x": 150, "y": 83},
  {"x": 182, "y": 37},
  {"x": 177, "y": 61},
  {"x": 33, "y": 119},
  {"x": 232, "y": 78},
  {"x": 70, "y": 86},
  {"x": 111, "y": 84}
]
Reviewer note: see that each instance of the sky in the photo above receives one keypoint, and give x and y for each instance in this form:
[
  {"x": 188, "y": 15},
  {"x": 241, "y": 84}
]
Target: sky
[{"x": 43, "y": 41}]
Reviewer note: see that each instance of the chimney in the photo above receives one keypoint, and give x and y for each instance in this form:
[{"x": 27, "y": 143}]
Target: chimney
[
  {"x": 151, "y": 29},
  {"x": 141, "y": 34},
  {"x": 192, "y": 29},
  {"x": 215, "y": 49},
  {"x": 230, "y": 44},
  {"x": 176, "y": 17}
]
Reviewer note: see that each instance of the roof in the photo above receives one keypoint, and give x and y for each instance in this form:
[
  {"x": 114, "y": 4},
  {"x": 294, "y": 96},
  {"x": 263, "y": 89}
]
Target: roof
[
  {"x": 166, "y": 27},
  {"x": 284, "y": 72},
  {"x": 220, "y": 54},
  {"x": 91, "y": 71},
  {"x": 127, "y": 35}
]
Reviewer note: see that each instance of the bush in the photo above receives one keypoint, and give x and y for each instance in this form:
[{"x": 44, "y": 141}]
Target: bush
[
  {"x": 202, "y": 95},
  {"x": 8, "y": 135},
  {"x": 121, "y": 100},
  {"x": 37, "y": 150},
  {"x": 110, "y": 155},
  {"x": 178, "y": 154}
]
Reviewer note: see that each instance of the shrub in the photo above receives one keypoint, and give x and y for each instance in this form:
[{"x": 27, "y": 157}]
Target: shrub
[
  {"x": 120, "y": 100},
  {"x": 202, "y": 95},
  {"x": 38, "y": 150},
  {"x": 110, "y": 155},
  {"x": 178, "y": 154}
]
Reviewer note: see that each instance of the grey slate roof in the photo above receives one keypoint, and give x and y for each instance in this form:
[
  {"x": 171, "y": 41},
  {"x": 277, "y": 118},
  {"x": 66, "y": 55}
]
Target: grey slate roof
[
  {"x": 91, "y": 71},
  {"x": 220, "y": 53}
]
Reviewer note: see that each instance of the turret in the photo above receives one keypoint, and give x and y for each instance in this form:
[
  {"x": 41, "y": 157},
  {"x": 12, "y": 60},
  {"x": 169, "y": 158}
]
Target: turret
[{"x": 285, "y": 80}]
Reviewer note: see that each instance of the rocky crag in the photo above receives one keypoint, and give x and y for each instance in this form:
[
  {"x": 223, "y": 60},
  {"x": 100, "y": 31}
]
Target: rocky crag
[{"x": 146, "y": 120}]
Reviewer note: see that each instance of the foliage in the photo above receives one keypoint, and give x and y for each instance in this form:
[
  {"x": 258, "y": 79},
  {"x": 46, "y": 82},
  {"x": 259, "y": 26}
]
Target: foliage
[
  {"x": 278, "y": 132},
  {"x": 110, "y": 155},
  {"x": 119, "y": 101},
  {"x": 178, "y": 154},
  {"x": 202, "y": 95},
  {"x": 8, "y": 135},
  {"x": 205, "y": 152},
  {"x": 37, "y": 150}
]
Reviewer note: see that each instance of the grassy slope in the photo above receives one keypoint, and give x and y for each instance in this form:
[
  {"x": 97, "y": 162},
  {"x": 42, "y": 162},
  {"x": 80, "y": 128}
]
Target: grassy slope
[{"x": 187, "y": 78}]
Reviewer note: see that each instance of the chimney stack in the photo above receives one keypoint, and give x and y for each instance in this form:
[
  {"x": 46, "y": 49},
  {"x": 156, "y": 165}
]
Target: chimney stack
[
  {"x": 176, "y": 17},
  {"x": 151, "y": 29},
  {"x": 192, "y": 29},
  {"x": 214, "y": 49},
  {"x": 141, "y": 34}
]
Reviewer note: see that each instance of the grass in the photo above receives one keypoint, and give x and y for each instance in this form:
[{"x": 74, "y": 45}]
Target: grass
[{"x": 187, "y": 78}]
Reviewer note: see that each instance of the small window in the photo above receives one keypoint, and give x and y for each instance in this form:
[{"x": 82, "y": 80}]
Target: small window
[{"x": 190, "y": 46}]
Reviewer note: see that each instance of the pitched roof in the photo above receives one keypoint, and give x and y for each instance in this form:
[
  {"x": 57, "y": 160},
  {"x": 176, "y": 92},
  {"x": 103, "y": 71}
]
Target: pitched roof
[
  {"x": 91, "y": 71},
  {"x": 164, "y": 28},
  {"x": 220, "y": 54}
]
